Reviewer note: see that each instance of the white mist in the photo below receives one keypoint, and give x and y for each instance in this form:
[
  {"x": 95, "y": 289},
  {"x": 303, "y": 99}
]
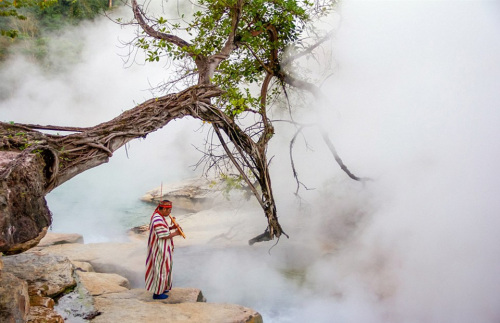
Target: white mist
[{"x": 414, "y": 105}]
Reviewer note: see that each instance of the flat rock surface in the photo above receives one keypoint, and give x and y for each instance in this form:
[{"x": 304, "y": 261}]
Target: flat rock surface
[{"x": 137, "y": 310}]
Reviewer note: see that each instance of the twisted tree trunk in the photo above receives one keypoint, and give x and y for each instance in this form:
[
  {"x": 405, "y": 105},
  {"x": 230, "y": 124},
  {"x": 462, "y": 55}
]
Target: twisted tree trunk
[{"x": 33, "y": 163}]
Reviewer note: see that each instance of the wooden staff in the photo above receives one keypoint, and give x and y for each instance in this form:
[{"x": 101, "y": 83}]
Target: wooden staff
[{"x": 171, "y": 218}]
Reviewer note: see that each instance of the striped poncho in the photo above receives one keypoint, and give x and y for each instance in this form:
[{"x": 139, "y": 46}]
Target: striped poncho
[{"x": 159, "y": 256}]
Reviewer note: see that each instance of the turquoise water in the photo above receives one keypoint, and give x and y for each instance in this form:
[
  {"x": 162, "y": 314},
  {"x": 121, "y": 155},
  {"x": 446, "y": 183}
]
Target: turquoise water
[{"x": 104, "y": 202}]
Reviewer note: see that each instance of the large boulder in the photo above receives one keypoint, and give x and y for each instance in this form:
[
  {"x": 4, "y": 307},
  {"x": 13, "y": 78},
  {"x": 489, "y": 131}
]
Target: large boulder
[
  {"x": 47, "y": 275},
  {"x": 24, "y": 215}
]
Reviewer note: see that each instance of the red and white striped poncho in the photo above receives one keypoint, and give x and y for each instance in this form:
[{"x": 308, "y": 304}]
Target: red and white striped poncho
[{"x": 159, "y": 256}]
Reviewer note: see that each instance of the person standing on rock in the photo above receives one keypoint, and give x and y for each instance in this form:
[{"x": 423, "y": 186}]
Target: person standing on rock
[{"x": 160, "y": 250}]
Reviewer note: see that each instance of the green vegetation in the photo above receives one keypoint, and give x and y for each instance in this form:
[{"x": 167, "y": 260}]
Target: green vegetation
[{"x": 27, "y": 22}]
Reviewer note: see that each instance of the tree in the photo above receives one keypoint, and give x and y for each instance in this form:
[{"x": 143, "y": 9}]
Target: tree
[{"x": 236, "y": 63}]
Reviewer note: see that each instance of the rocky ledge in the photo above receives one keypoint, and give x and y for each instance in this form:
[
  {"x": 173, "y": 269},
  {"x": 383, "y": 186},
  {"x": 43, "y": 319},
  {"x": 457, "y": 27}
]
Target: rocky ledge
[{"x": 65, "y": 280}]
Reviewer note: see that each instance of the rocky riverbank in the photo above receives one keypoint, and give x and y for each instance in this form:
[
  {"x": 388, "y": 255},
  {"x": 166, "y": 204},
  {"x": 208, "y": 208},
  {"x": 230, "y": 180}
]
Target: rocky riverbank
[{"x": 65, "y": 280}]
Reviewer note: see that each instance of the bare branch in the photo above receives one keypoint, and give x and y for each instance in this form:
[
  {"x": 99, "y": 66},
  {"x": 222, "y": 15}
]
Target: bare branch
[
  {"x": 329, "y": 143},
  {"x": 238, "y": 167},
  {"x": 294, "y": 170}
]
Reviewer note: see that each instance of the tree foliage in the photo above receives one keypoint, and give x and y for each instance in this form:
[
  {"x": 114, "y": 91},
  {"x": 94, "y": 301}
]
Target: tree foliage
[{"x": 250, "y": 40}]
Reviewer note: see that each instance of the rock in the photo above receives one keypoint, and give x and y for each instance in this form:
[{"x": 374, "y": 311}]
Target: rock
[
  {"x": 49, "y": 272},
  {"x": 52, "y": 238},
  {"x": 37, "y": 300},
  {"x": 40, "y": 314},
  {"x": 103, "y": 283},
  {"x": 142, "y": 308},
  {"x": 124, "y": 258},
  {"x": 14, "y": 298},
  {"x": 47, "y": 275},
  {"x": 51, "y": 275},
  {"x": 83, "y": 266},
  {"x": 140, "y": 232},
  {"x": 21, "y": 246},
  {"x": 191, "y": 195},
  {"x": 77, "y": 306},
  {"x": 25, "y": 216}
]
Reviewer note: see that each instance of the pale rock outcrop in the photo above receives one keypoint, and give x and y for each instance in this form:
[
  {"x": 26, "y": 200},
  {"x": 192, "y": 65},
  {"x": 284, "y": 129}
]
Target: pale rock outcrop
[{"x": 191, "y": 195}]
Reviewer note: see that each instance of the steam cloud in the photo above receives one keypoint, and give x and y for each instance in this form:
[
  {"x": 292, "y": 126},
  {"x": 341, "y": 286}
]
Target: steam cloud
[{"x": 414, "y": 105}]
